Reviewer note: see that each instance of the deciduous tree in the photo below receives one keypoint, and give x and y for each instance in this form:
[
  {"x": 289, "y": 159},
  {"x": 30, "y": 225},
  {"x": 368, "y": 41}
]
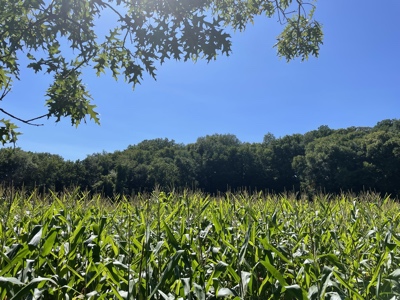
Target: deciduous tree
[{"x": 60, "y": 38}]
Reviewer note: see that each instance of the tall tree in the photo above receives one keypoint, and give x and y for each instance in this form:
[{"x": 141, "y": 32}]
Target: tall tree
[
  {"x": 219, "y": 164},
  {"x": 59, "y": 37},
  {"x": 283, "y": 151},
  {"x": 334, "y": 162},
  {"x": 16, "y": 167},
  {"x": 382, "y": 160}
]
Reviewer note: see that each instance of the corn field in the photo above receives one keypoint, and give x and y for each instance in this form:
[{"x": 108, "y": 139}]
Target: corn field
[{"x": 193, "y": 246}]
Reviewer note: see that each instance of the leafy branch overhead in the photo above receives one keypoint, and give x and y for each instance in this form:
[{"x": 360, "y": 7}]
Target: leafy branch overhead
[{"x": 59, "y": 38}]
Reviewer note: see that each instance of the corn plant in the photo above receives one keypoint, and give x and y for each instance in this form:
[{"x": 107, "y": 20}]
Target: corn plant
[{"x": 194, "y": 246}]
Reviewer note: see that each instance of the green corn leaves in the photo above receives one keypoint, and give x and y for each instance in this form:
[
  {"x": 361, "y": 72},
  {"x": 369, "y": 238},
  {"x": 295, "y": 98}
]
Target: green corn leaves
[{"x": 165, "y": 246}]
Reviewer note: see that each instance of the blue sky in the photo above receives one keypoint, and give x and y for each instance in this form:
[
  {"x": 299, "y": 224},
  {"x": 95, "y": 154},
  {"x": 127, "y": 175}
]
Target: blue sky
[{"x": 354, "y": 82}]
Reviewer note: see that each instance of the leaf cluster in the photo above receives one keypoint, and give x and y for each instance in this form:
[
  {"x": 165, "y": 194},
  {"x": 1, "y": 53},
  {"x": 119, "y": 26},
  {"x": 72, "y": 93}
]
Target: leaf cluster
[{"x": 61, "y": 38}]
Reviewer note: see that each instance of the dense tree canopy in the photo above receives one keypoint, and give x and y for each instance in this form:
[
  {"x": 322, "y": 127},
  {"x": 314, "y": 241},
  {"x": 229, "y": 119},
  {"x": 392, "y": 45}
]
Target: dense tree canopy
[
  {"x": 352, "y": 159},
  {"x": 60, "y": 38}
]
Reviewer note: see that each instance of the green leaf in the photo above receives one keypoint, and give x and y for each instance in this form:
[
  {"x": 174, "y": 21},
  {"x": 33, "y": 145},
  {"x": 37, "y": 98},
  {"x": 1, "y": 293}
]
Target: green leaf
[
  {"x": 49, "y": 241},
  {"x": 395, "y": 274},
  {"x": 186, "y": 286},
  {"x": 233, "y": 273},
  {"x": 274, "y": 272},
  {"x": 168, "y": 270},
  {"x": 13, "y": 251},
  {"x": 268, "y": 246},
  {"x": 12, "y": 280},
  {"x": 35, "y": 236},
  {"x": 8, "y": 134},
  {"x": 346, "y": 284},
  {"x": 29, "y": 288},
  {"x": 171, "y": 238},
  {"x": 243, "y": 249},
  {"x": 245, "y": 279},
  {"x": 296, "y": 292},
  {"x": 199, "y": 292},
  {"x": 226, "y": 292}
]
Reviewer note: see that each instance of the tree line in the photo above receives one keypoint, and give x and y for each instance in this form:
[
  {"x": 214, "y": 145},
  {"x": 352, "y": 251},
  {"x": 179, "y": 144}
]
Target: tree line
[{"x": 328, "y": 160}]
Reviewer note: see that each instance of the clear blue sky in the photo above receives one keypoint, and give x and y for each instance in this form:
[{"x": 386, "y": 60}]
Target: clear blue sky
[{"x": 354, "y": 82}]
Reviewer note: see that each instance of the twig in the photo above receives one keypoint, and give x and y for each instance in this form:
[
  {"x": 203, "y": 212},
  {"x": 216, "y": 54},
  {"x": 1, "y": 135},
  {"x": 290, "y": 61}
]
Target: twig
[
  {"x": 24, "y": 121},
  {"x": 7, "y": 89}
]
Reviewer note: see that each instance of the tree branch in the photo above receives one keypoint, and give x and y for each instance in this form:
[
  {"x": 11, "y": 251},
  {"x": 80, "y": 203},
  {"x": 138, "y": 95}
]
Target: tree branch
[
  {"x": 283, "y": 15},
  {"x": 24, "y": 121},
  {"x": 7, "y": 89}
]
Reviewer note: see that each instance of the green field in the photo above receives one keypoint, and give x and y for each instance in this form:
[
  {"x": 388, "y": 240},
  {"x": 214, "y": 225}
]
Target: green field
[{"x": 192, "y": 246}]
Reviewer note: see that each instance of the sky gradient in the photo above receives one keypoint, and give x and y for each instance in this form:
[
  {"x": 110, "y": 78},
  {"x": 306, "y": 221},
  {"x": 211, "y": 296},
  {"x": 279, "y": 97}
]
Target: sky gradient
[{"x": 354, "y": 82}]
